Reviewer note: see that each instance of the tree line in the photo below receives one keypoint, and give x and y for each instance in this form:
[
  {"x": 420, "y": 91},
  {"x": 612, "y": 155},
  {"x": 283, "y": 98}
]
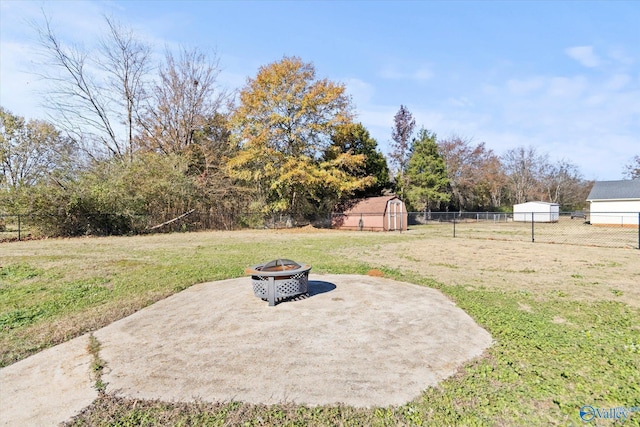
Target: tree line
[{"x": 131, "y": 137}]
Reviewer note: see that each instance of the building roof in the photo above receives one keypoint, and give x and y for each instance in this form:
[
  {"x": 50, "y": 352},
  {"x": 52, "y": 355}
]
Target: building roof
[
  {"x": 615, "y": 190},
  {"x": 371, "y": 205},
  {"x": 537, "y": 203}
]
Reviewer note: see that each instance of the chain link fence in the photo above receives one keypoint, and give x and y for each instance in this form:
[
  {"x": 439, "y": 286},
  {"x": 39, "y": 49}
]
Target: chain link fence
[
  {"x": 608, "y": 229},
  {"x": 35, "y": 226}
]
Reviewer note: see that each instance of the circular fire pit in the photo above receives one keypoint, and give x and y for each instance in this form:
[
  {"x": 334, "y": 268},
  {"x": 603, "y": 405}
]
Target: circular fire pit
[{"x": 280, "y": 278}]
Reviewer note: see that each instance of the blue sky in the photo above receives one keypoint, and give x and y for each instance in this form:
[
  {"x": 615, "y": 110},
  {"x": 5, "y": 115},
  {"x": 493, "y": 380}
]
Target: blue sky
[{"x": 563, "y": 77}]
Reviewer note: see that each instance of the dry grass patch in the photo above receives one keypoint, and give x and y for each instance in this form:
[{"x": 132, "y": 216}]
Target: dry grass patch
[
  {"x": 564, "y": 317},
  {"x": 548, "y": 271}
]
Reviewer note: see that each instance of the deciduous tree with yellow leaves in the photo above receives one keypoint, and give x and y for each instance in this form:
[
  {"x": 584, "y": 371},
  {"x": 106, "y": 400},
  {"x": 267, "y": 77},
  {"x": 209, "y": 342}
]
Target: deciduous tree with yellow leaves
[{"x": 284, "y": 123}]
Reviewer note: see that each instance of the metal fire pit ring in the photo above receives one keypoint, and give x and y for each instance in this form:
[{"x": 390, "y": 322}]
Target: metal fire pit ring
[{"x": 278, "y": 279}]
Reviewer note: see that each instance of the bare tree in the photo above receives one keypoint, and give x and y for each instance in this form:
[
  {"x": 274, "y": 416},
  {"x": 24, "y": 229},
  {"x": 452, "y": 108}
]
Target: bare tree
[
  {"x": 473, "y": 171},
  {"x": 126, "y": 63},
  {"x": 563, "y": 184},
  {"x": 93, "y": 94},
  {"x": 495, "y": 180},
  {"x": 183, "y": 101},
  {"x": 401, "y": 133},
  {"x": 524, "y": 168},
  {"x": 632, "y": 169},
  {"x": 29, "y": 150}
]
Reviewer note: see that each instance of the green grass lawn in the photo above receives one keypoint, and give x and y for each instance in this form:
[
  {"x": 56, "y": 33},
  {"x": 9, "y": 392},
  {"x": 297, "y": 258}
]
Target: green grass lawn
[{"x": 545, "y": 364}]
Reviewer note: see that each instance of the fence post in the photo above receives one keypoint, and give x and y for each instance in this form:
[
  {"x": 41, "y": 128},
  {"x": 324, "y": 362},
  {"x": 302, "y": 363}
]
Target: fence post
[
  {"x": 454, "y": 224},
  {"x": 638, "y": 230},
  {"x": 19, "y": 224},
  {"x": 532, "y": 228}
]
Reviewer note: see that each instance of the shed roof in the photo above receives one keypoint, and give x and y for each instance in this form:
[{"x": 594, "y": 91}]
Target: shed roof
[
  {"x": 537, "y": 203},
  {"x": 371, "y": 205},
  {"x": 615, "y": 190}
]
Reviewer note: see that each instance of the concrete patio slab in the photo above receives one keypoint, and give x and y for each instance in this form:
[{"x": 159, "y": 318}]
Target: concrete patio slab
[
  {"x": 358, "y": 340},
  {"x": 49, "y": 387}
]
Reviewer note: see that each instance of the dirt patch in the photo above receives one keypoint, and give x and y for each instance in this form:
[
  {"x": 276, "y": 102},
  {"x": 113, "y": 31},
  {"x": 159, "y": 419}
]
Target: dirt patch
[
  {"x": 375, "y": 273},
  {"x": 581, "y": 273}
]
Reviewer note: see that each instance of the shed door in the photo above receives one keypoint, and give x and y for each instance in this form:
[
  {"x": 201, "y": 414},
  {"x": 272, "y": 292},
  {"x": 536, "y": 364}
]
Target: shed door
[{"x": 394, "y": 215}]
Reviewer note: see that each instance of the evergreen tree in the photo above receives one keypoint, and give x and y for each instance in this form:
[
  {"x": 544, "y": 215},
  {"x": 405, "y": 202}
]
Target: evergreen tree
[
  {"x": 426, "y": 173},
  {"x": 354, "y": 139}
]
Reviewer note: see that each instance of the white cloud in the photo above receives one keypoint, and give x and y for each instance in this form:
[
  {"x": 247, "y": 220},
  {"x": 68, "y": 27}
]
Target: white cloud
[
  {"x": 232, "y": 79},
  {"x": 21, "y": 89},
  {"x": 524, "y": 87},
  {"x": 361, "y": 91},
  {"x": 620, "y": 55},
  {"x": 378, "y": 120},
  {"x": 589, "y": 120},
  {"x": 423, "y": 73},
  {"x": 617, "y": 82},
  {"x": 461, "y": 102},
  {"x": 596, "y": 100},
  {"x": 584, "y": 55},
  {"x": 567, "y": 87},
  {"x": 392, "y": 72}
]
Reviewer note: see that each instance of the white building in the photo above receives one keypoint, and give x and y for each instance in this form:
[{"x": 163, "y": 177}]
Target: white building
[
  {"x": 536, "y": 211},
  {"x": 615, "y": 203}
]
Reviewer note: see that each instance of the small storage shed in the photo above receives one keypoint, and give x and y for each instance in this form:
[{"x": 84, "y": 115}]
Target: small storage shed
[
  {"x": 536, "y": 211},
  {"x": 385, "y": 213},
  {"x": 615, "y": 203}
]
